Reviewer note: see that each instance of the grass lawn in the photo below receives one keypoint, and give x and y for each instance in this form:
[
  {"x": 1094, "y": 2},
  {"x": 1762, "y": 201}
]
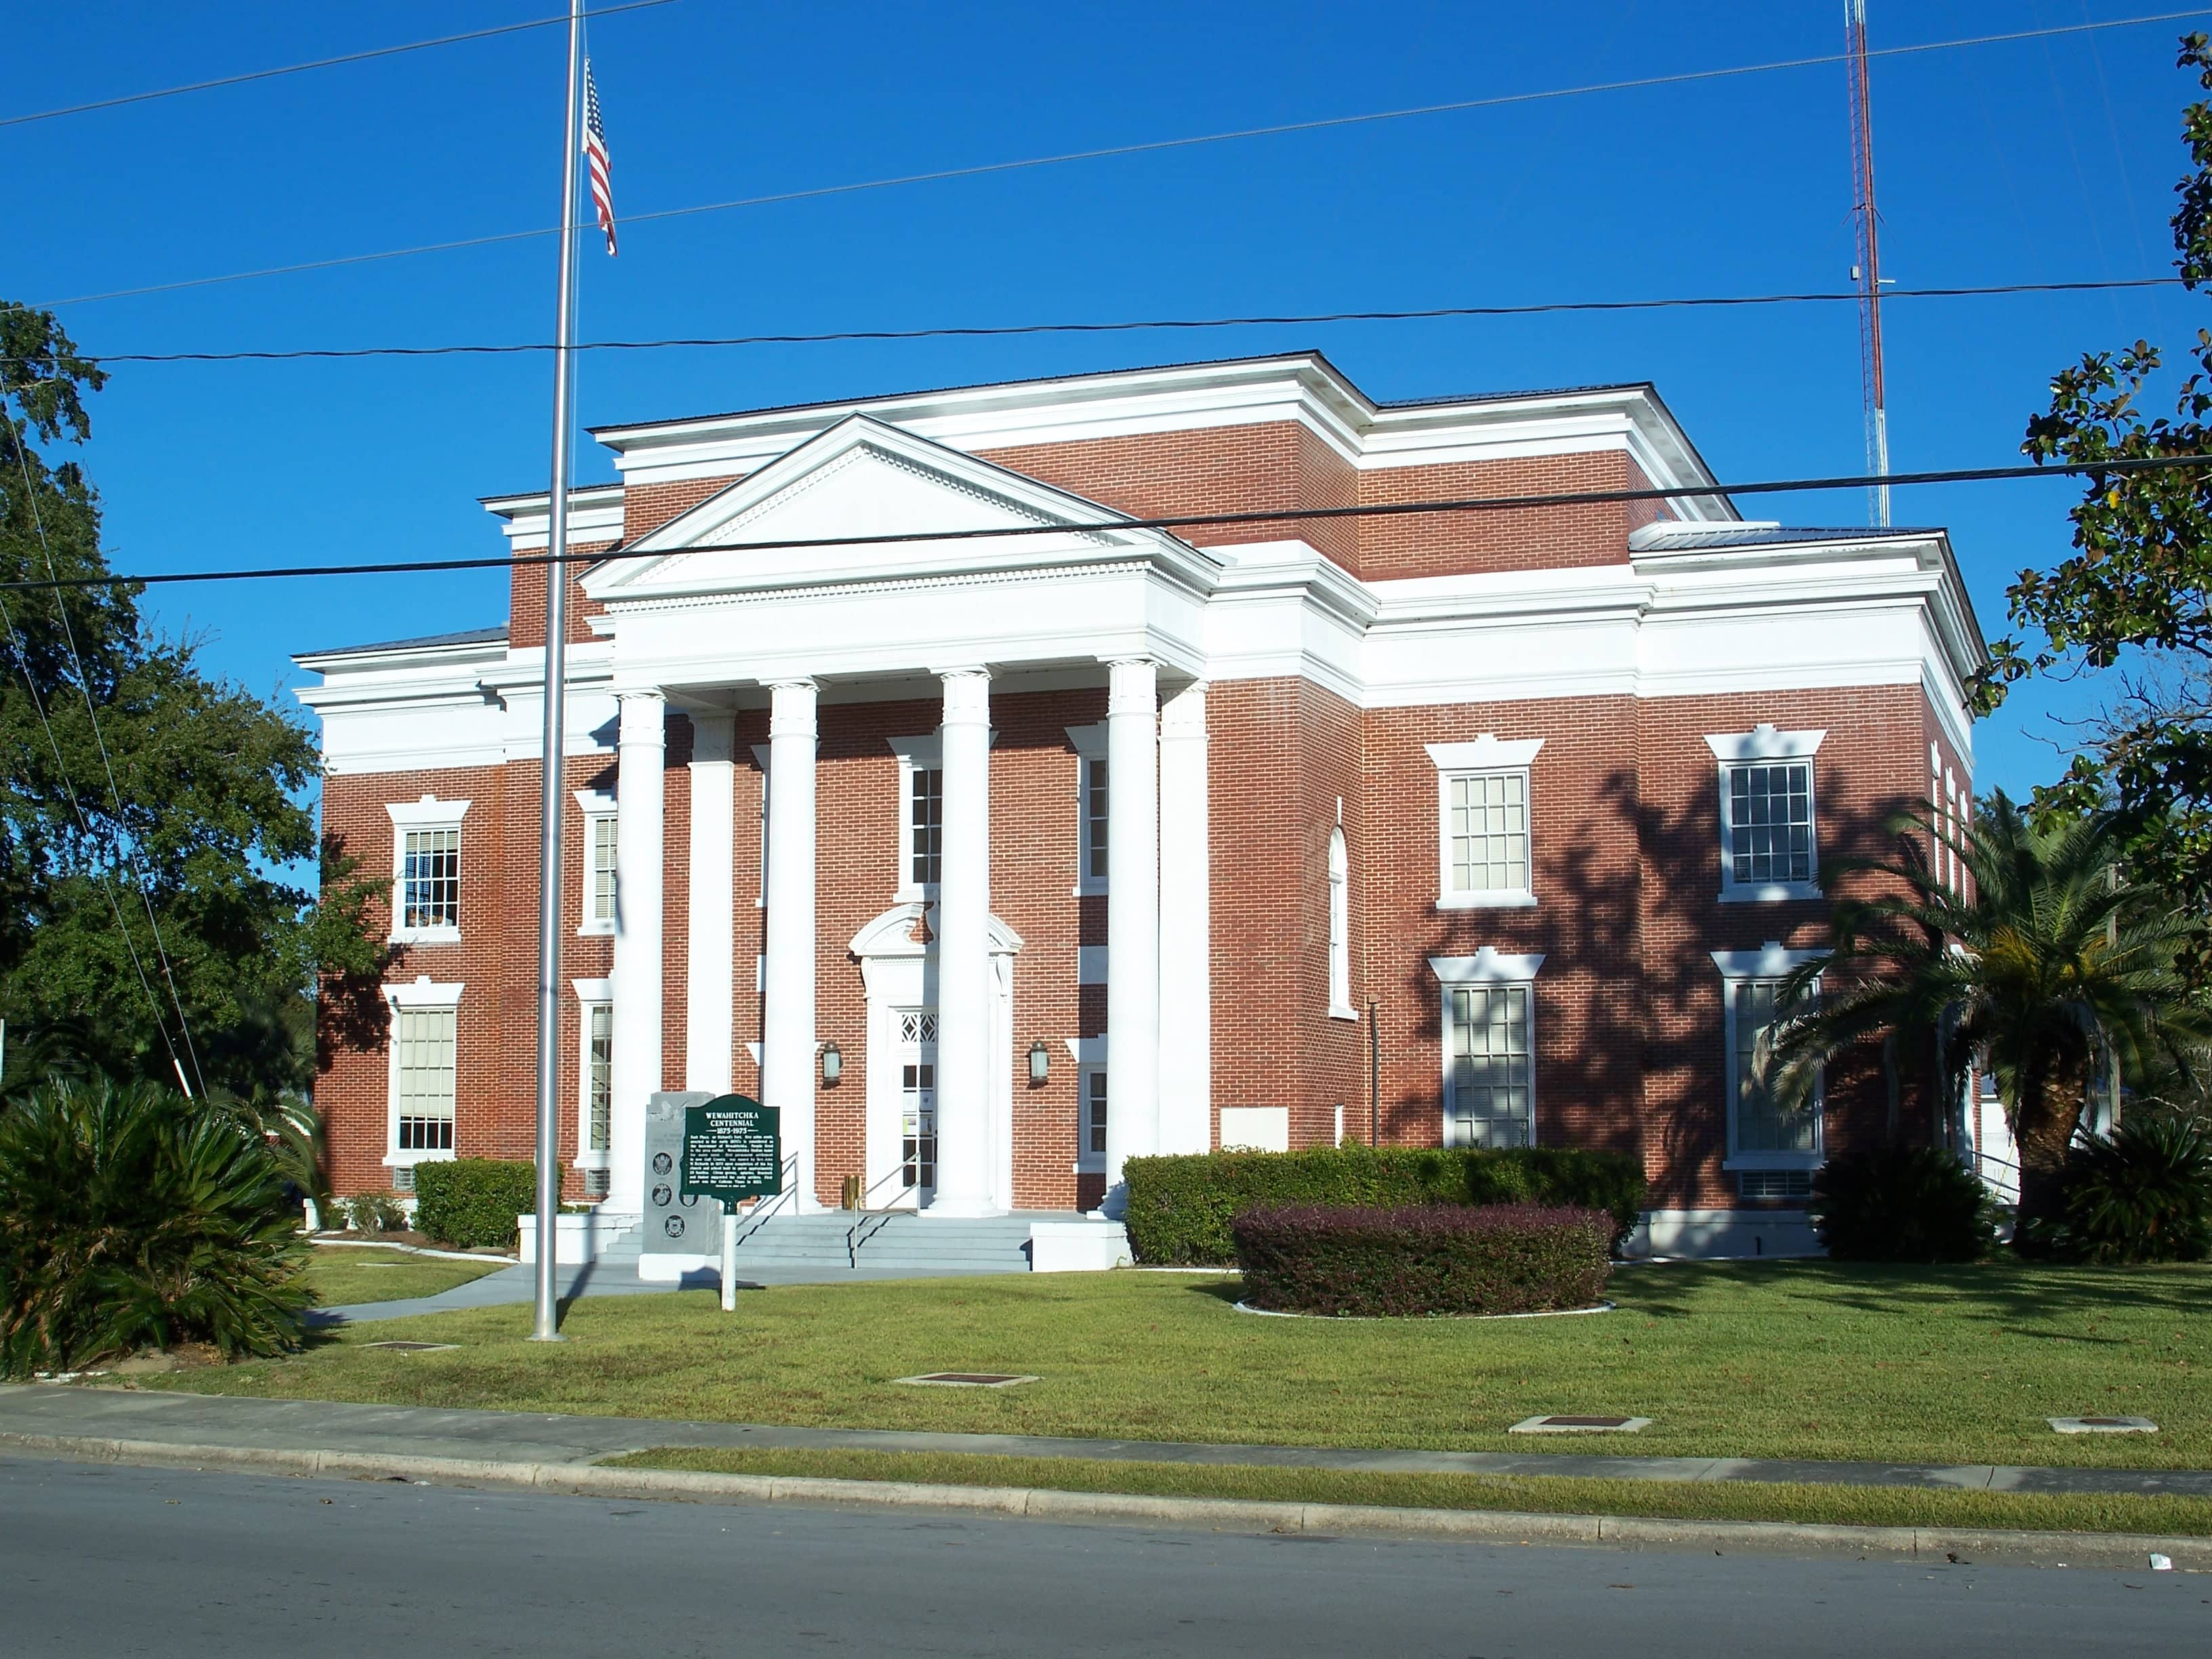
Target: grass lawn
[
  {"x": 1849, "y": 1506},
  {"x": 1764, "y": 1359},
  {"x": 343, "y": 1276}
]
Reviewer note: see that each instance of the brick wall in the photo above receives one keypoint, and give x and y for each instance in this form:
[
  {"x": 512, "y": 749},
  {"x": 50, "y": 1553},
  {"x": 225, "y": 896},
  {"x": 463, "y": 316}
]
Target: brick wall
[{"x": 527, "y": 600}]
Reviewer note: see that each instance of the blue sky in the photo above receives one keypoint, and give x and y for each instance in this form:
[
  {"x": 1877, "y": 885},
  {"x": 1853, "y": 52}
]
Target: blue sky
[{"x": 2049, "y": 160}]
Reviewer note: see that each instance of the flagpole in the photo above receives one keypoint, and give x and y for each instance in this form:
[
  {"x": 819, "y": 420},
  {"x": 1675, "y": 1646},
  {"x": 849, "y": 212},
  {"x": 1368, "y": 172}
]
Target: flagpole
[{"x": 546, "y": 1323}]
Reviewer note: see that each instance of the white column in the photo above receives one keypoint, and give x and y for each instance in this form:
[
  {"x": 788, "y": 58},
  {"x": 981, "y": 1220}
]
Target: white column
[
  {"x": 1186, "y": 939},
  {"x": 638, "y": 910},
  {"x": 710, "y": 968},
  {"x": 1133, "y": 921},
  {"x": 964, "y": 1057},
  {"x": 788, "y": 1010}
]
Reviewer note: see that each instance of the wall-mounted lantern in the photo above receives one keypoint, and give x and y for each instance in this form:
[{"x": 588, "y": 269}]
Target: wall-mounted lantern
[
  {"x": 833, "y": 1064},
  {"x": 1040, "y": 1062}
]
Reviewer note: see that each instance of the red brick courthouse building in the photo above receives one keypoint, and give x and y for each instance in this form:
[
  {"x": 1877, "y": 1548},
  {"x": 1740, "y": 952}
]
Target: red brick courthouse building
[{"x": 993, "y": 861}]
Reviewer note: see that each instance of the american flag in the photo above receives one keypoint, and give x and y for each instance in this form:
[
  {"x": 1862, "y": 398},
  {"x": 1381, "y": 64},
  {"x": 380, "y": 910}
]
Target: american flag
[{"x": 595, "y": 158}]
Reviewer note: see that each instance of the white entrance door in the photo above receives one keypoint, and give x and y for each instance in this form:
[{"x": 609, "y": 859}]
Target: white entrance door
[{"x": 917, "y": 1104}]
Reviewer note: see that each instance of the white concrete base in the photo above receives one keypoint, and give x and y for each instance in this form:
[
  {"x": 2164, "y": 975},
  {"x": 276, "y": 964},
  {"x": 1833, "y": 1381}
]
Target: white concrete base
[
  {"x": 654, "y": 1268},
  {"x": 1078, "y": 1247},
  {"x": 577, "y": 1238},
  {"x": 954, "y": 1209},
  {"x": 1723, "y": 1234}
]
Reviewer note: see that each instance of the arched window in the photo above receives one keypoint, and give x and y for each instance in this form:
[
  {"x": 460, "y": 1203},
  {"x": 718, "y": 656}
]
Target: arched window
[{"x": 1339, "y": 929}]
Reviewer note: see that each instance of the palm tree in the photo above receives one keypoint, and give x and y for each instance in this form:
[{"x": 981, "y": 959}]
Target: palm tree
[{"x": 2047, "y": 961}]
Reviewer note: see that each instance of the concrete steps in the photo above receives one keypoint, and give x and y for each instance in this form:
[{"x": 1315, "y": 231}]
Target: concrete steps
[{"x": 888, "y": 1242}]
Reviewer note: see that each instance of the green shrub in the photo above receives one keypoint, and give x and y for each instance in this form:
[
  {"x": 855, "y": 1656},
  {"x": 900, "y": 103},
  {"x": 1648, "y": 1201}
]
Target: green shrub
[
  {"x": 1903, "y": 1204},
  {"x": 1180, "y": 1208},
  {"x": 471, "y": 1203},
  {"x": 373, "y": 1213},
  {"x": 131, "y": 1218},
  {"x": 2141, "y": 1195},
  {"x": 1425, "y": 1259}
]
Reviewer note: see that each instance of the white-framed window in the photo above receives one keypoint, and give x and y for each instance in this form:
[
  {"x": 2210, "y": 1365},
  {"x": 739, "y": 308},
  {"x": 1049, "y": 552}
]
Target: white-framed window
[
  {"x": 602, "y": 833},
  {"x": 1768, "y": 846},
  {"x": 1763, "y": 1134},
  {"x": 925, "y": 826},
  {"x": 760, "y": 758},
  {"x": 426, "y": 870},
  {"x": 1091, "y": 783},
  {"x": 1485, "y": 844},
  {"x": 1489, "y": 1024},
  {"x": 425, "y": 1072},
  {"x": 1340, "y": 928},
  {"x": 921, "y": 815},
  {"x": 1091, "y": 1142},
  {"x": 595, "y": 1059}
]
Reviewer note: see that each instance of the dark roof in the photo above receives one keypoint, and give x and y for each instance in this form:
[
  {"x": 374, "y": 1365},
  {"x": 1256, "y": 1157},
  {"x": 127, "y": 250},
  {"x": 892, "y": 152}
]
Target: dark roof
[
  {"x": 466, "y": 636},
  {"x": 1106, "y": 374}
]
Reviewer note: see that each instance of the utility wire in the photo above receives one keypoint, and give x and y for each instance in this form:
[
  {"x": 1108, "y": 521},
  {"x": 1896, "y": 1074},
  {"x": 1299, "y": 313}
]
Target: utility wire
[
  {"x": 317, "y": 63},
  {"x": 1148, "y": 147},
  {"x": 1002, "y": 331},
  {"x": 126, "y": 840},
  {"x": 2121, "y": 467},
  {"x": 84, "y": 828}
]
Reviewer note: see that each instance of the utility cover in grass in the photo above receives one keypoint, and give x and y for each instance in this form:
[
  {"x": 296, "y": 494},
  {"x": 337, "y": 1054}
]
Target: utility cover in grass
[
  {"x": 1581, "y": 1425},
  {"x": 968, "y": 1380},
  {"x": 413, "y": 1347},
  {"x": 2102, "y": 1424}
]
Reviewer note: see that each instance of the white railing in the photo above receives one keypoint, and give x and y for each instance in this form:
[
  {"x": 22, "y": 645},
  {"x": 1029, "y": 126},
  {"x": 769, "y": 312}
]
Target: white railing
[{"x": 758, "y": 1218}]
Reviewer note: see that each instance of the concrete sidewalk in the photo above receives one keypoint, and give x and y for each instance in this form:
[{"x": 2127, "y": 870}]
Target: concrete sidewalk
[
  {"x": 47, "y": 1412},
  {"x": 510, "y": 1286}
]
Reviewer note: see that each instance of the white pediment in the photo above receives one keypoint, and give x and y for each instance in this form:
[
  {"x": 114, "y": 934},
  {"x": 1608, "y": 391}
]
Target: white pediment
[{"x": 843, "y": 506}]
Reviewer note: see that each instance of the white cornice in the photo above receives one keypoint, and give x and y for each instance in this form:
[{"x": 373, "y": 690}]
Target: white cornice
[{"x": 1304, "y": 389}]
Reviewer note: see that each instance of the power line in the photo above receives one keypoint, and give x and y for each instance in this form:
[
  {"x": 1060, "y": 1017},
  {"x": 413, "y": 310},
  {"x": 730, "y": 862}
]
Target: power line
[
  {"x": 84, "y": 828},
  {"x": 128, "y": 842},
  {"x": 1175, "y": 521},
  {"x": 69, "y": 786},
  {"x": 1147, "y": 147},
  {"x": 318, "y": 63},
  {"x": 1004, "y": 331}
]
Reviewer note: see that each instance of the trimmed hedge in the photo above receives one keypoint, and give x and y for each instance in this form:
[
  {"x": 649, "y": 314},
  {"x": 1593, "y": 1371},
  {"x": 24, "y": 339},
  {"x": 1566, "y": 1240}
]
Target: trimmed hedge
[
  {"x": 471, "y": 1203},
  {"x": 1424, "y": 1259},
  {"x": 1180, "y": 1208}
]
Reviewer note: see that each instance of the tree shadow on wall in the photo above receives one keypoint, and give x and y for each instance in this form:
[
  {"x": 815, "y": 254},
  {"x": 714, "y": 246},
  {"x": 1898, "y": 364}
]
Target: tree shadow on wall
[
  {"x": 1636, "y": 932},
  {"x": 352, "y": 1014}
]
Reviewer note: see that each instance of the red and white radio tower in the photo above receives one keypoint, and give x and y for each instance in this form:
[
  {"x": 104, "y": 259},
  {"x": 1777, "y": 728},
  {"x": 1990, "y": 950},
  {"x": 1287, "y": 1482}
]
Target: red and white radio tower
[{"x": 1866, "y": 271}]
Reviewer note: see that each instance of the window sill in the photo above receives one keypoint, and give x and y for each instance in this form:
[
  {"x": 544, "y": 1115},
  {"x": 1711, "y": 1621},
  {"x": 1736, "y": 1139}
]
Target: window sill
[
  {"x": 1341, "y": 1011},
  {"x": 592, "y": 1161},
  {"x": 1771, "y": 893},
  {"x": 408, "y": 1160},
  {"x": 596, "y": 930},
  {"x": 1491, "y": 900},
  {"x": 916, "y": 893},
  {"x": 1756, "y": 1161},
  {"x": 426, "y": 936},
  {"x": 1088, "y": 889}
]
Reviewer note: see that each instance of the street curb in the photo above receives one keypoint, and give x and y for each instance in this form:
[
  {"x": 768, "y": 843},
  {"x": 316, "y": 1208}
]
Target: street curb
[{"x": 2054, "y": 1549}]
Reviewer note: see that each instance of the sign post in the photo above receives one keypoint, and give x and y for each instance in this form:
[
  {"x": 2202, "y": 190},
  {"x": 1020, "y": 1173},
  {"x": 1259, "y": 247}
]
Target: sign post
[{"x": 732, "y": 1150}]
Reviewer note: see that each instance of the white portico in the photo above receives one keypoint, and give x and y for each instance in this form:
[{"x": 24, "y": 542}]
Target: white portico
[{"x": 851, "y": 614}]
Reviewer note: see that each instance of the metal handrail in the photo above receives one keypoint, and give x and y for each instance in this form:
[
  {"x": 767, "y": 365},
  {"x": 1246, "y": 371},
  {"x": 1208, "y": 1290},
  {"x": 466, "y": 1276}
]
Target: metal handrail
[
  {"x": 871, "y": 1222},
  {"x": 789, "y": 1180},
  {"x": 894, "y": 1173}
]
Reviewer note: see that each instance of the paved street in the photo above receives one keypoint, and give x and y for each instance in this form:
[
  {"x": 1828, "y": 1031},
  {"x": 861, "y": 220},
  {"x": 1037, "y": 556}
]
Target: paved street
[{"x": 122, "y": 1561}]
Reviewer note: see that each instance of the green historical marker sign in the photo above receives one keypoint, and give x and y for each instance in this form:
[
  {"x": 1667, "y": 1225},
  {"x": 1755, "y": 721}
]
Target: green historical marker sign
[{"x": 732, "y": 1149}]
